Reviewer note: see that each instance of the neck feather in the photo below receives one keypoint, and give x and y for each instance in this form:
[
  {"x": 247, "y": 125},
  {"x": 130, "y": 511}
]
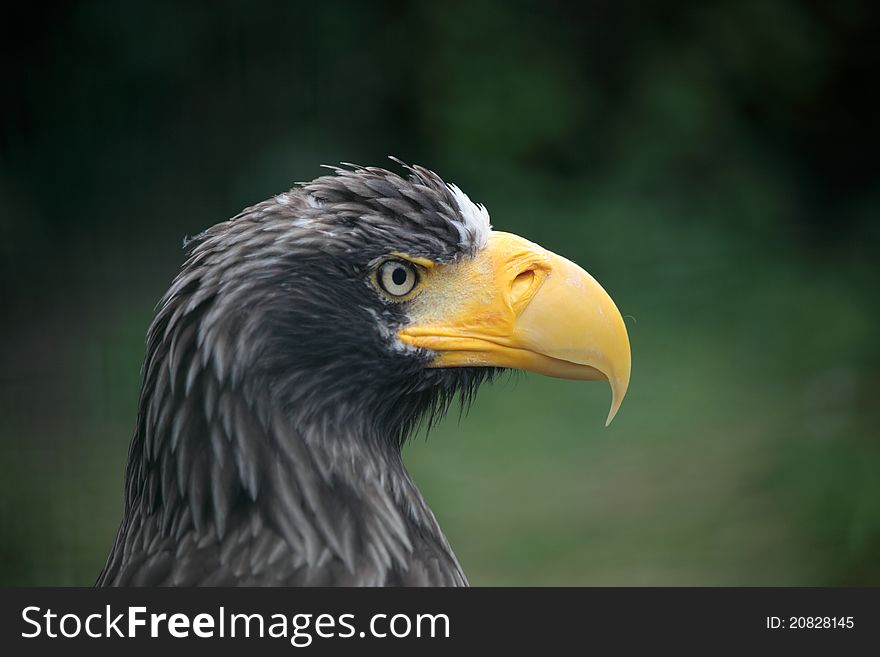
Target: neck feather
[{"x": 211, "y": 451}]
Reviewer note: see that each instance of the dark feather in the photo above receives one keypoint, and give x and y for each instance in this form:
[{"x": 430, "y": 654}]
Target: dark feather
[{"x": 273, "y": 408}]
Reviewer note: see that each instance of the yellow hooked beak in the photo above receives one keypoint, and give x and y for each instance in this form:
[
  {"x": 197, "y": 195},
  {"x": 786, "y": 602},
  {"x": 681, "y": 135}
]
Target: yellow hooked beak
[{"x": 518, "y": 305}]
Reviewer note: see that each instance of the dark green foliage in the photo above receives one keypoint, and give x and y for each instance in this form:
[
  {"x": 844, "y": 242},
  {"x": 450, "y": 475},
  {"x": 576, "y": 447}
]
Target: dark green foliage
[{"x": 714, "y": 165}]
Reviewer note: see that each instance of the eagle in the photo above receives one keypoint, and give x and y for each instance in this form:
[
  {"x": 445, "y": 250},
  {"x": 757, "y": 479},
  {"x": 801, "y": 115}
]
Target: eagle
[{"x": 300, "y": 345}]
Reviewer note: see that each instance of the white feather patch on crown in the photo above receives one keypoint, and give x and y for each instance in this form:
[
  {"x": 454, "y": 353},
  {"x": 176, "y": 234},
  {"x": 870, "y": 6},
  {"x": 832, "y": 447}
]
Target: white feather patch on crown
[{"x": 474, "y": 226}]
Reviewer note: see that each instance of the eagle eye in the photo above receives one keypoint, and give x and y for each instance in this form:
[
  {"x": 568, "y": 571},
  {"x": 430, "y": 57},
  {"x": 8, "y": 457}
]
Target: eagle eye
[{"x": 397, "y": 278}]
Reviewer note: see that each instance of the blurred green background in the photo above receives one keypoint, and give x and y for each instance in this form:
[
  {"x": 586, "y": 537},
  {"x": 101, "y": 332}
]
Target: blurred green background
[{"x": 714, "y": 165}]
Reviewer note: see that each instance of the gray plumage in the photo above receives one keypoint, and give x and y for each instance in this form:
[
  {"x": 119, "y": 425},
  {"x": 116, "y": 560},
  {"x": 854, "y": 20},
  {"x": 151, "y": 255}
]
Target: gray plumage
[{"x": 275, "y": 403}]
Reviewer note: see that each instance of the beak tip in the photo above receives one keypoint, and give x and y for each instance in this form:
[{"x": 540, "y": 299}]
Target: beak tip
[
  {"x": 618, "y": 392},
  {"x": 611, "y": 414}
]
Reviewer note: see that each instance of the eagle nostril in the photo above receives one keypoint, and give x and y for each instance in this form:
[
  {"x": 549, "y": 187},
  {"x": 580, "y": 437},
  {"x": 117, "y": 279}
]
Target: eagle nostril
[{"x": 521, "y": 285}]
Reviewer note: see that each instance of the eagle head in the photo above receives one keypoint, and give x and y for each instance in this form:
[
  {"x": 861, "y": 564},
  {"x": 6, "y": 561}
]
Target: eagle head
[{"x": 294, "y": 353}]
